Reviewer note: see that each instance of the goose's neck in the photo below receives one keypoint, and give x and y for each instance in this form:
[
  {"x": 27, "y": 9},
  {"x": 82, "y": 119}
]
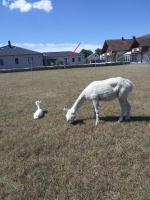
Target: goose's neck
[
  {"x": 78, "y": 102},
  {"x": 38, "y": 106}
]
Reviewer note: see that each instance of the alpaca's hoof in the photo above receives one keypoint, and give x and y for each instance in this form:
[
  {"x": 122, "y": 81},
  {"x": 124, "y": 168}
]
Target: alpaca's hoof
[
  {"x": 120, "y": 119},
  {"x": 127, "y": 118},
  {"x": 97, "y": 122}
]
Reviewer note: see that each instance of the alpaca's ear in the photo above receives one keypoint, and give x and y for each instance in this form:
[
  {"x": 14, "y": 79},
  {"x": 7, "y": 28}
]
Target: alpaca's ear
[{"x": 65, "y": 109}]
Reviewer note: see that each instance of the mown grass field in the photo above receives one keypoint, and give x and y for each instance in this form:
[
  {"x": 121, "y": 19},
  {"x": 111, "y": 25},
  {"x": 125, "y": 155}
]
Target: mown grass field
[{"x": 49, "y": 159}]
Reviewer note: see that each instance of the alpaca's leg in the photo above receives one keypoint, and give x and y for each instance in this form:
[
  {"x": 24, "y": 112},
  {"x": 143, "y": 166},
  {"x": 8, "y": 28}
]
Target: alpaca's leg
[
  {"x": 128, "y": 110},
  {"x": 93, "y": 113},
  {"x": 123, "y": 106},
  {"x": 96, "y": 106}
]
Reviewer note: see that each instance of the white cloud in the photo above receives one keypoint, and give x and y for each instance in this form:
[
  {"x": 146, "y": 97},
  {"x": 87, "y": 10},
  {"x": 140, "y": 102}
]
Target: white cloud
[
  {"x": 90, "y": 46},
  {"x": 25, "y": 6},
  {"x": 22, "y": 5},
  {"x": 4, "y": 3},
  {"x": 45, "y": 5},
  {"x": 53, "y": 47}
]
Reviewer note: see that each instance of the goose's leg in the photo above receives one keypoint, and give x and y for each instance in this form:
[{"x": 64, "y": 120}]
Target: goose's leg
[{"x": 96, "y": 106}]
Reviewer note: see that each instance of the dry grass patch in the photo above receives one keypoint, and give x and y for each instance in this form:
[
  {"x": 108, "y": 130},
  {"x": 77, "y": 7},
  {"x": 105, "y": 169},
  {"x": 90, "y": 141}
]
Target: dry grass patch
[{"x": 50, "y": 159}]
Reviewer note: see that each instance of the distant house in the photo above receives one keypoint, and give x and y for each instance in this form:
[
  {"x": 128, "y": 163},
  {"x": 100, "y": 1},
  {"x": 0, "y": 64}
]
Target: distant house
[
  {"x": 66, "y": 58},
  {"x": 141, "y": 53},
  {"x": 93, "y": 58},
  {"x": 15, "y": 57},
  {"x": 113, "y": 50}
]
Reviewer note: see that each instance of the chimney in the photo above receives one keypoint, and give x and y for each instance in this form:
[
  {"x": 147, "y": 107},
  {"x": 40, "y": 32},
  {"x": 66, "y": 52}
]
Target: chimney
[
  {"x": 134, "y": 38},
  {"x": 9, "y": 43}
]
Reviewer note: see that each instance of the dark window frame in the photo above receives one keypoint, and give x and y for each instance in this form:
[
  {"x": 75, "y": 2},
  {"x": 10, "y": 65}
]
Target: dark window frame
[
  {"x": 1, "y": 62},
  {"x": 30, "y": 60},
  {"x": 79, "y": 59},
  {"x": 16, "y": 61}
]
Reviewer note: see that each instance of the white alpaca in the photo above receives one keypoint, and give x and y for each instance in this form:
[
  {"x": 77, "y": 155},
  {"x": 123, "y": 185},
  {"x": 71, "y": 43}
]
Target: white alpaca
[
  {"x": 39, "y": 112},
  {"x": 104, "y": 90}
]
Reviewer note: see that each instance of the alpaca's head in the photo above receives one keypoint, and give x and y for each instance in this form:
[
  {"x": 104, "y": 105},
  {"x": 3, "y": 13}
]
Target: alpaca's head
[{"x": 70, "y": 115}]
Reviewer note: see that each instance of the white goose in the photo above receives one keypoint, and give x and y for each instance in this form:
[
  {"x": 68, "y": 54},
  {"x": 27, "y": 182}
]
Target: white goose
[{"x": 39, "y": 112}]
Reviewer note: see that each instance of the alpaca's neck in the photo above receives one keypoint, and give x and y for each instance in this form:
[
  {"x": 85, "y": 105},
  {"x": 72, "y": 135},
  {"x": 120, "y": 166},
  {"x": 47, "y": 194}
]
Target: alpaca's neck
[{"x": 78, "y": 102}]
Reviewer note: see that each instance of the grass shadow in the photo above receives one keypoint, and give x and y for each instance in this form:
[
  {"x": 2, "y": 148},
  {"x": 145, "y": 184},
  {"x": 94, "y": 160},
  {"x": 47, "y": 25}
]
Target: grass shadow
[{"x": 45, "y": 112}]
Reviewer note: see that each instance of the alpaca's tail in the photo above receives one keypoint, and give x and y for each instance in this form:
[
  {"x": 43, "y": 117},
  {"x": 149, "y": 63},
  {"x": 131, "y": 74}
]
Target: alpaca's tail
[
  {"x": 123, "y": 88},
  {"x": 126, "y": 86}
]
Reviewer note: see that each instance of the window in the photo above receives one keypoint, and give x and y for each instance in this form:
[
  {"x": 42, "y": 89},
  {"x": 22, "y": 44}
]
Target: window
[
  {"x": 17, "y": 61},
  {"x": 134, "y": 58},
  {"x": 65, "y": 61},
  {"x": 145, "y": 49},
  {"x": 73, "y": 59},
  {"x": 1, "y": 62},
  {"x": 79, "y": 59},
  {"x": 30, "y": 60}
]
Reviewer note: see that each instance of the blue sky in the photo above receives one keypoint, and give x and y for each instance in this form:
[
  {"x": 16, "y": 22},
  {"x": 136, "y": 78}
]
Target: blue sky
[{"x": 55, "y": 25}]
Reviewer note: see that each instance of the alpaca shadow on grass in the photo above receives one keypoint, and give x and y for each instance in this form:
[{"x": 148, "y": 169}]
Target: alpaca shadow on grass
[
  {"x": 82, "y": 121},
  {"x": 114, "y": 119},
  {"x": 132, "y": 119},
  {"x": 78, "y": 121}
]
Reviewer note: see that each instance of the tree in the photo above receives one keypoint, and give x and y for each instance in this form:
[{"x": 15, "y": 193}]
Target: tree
[
  {"x": 86, "y": 53},
  {"x": 98, "y": 51}
]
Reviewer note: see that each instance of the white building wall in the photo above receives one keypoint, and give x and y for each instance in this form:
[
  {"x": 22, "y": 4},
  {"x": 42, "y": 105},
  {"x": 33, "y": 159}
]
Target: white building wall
[
  {"x": 146, "y": 56},
  {"x": 127, "y": 58},
  {"x": 76, "y": 60},
  {"x": 24, "y": 61},
  {"x": 69, "y": 60}
]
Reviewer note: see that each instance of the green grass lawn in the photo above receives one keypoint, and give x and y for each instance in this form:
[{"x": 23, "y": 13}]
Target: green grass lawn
[{"x": 52, "y": 160}]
